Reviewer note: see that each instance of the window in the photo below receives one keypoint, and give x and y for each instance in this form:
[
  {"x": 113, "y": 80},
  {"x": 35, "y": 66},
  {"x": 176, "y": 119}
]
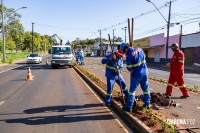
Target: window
[{"x": 61, "y": 50}]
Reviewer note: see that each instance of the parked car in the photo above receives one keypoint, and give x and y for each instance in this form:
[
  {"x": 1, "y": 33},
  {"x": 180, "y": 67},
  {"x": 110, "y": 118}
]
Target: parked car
[{"x": 34, "y": 58}]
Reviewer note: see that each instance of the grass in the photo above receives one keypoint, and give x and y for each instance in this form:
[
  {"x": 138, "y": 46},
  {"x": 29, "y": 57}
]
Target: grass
[{"x": 11, "y": 57}]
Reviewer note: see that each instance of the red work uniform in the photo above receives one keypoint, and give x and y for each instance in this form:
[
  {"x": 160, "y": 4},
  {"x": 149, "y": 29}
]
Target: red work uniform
[{"x": 177, "y": 73}]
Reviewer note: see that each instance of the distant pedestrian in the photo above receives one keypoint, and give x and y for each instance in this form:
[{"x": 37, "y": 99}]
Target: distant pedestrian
[
  {"x": 81, "y": 54},
  {"x": 177, "y": 72},
  {"x": 77, "y": 56},
  {"x": 114, "y": 62},
  {"x": 136, "y": 65}
]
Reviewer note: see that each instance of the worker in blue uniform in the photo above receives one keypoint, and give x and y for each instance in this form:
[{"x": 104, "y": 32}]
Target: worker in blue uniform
[
  {"x": 114, "y": 67},
  {"x": 136, "y": 65},
  {"x": 77, "y": 56},
  {"x": 81, "y": 55}
]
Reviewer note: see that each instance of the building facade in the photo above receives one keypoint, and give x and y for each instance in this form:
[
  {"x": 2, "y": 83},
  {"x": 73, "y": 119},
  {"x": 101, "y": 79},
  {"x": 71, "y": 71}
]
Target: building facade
[{"x": 190, "y": 44}]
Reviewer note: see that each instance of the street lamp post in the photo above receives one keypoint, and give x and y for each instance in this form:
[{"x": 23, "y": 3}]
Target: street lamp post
[
  {"x": 168, "y": 26},
  {"x": 3, "y": 30},
  {"x": 20, "y": 8},
  {"x": 32, "y": 49}
]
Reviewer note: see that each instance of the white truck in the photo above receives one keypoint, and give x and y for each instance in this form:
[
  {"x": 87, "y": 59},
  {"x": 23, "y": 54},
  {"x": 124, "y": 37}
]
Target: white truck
[{"x": 61, "y": 56}]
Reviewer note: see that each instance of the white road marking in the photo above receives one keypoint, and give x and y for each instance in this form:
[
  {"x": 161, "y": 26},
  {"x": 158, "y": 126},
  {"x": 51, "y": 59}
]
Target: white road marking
[
  {"x": 151, "y": 89},
  {"x": 198, "y": 107},
  {"x": 2, "y": 102},
  {"x": 103, "y": 70},
  {"x": 11, "y": 69},
  {"x": 101, "y": 102},
  {"x": 95, "y": 67}
]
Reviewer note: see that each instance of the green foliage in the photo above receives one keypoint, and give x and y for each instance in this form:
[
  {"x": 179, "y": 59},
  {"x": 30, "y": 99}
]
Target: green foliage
[
  {"x": 19, "y": 40},
  {"x": 88, "y": 53},
  {"x": 10, "y": 57}
]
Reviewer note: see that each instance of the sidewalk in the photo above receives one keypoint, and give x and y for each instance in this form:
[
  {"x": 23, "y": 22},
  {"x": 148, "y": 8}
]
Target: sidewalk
[{"x": 194, "y": 69}]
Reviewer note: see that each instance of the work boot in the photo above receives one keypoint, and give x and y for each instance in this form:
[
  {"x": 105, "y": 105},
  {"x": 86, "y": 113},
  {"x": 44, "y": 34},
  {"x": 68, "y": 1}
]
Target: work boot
[
  {"x": 184, "y": 97},
  {"x": 126, "y": 109},
  {"x": 167, "y": 95}
]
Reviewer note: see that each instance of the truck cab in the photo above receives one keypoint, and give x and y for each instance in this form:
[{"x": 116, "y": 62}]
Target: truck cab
[{"x": 61, "y": 56}]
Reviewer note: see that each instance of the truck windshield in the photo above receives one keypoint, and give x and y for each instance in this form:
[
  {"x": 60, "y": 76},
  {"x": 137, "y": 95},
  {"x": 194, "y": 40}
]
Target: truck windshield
[{"x": 61, "y": 50}]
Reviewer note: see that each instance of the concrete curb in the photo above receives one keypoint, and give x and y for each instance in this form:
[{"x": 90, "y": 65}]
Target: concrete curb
[{"x": 134, "y": 122}]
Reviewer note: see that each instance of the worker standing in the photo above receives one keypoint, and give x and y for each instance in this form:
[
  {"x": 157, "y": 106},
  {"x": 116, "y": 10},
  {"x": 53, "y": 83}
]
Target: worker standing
[
  {"x": 177, "y": 72},
  {"x": 77, "y": 56},
  {"x": 81, "y": 54},
  {"x": 136, "y": 65},
  {"x": 114, "y": 67}
]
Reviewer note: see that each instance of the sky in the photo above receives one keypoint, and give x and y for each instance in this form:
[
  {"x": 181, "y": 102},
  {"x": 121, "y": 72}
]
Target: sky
[{"x": 71, "y": 19}]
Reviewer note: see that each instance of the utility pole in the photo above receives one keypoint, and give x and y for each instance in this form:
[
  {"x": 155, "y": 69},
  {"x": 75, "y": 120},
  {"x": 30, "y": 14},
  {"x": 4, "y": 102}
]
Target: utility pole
[
  {"x": 180, "y": 39},
  {"x": 3, "y": 32},
  {"x": 168, "y": 26},
  {"x": 100, "y": 42},
  {"x": 129, "y": 33},
  {"x": 132, "y": 32},
  {"x": 113, "y": 36},
  {"x": 33, "y": 37},
  {"x": 125, "y": 33}
]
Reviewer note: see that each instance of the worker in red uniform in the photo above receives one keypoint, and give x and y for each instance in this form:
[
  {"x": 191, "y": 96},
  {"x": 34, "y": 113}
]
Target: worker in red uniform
[{"x": 177, "y": 72}]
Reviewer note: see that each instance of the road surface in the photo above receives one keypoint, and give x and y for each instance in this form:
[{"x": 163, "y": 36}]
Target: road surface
[{"x": 56, "y": 101}]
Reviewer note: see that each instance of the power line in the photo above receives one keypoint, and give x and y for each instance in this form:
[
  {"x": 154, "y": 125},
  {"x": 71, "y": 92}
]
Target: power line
[
  {"x": 136, "y": 17},
  {"x": 150, "y": 31},
  {"x": 57, "y": 27}
]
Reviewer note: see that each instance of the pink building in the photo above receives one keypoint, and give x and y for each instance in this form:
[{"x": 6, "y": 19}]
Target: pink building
[{"x": 157, "y": 49}]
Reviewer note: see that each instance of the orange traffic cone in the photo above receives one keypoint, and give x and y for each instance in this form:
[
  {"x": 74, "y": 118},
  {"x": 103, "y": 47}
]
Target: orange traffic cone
[{"x": 29, "y": 76}]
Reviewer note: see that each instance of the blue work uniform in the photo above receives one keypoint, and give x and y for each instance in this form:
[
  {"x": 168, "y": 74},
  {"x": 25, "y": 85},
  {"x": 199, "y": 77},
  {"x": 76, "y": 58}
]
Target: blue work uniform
[
  {"x": 112, "y": 75},
  {"x": 81, "y": 54},
  {"x": 136, "y": 64},
  {"x": 77, "y": 57}
]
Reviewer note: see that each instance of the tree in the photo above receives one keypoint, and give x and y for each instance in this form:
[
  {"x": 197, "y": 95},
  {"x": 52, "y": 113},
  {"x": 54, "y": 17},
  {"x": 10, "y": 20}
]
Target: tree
[
  {"x": 16, "y": 31},
  {"x": 27, "y": 41},
  {"x": 13, "y": 27},
  {"x": 10, "y": 44},
  {"x": 76, "y": 42},
  {"x": 118, "y": 39},
  {"x": 37, "y": 41}
]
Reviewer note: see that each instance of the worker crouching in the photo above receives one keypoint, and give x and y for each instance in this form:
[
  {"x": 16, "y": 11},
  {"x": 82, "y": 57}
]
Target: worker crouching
[{"x": 114, "y": 67}]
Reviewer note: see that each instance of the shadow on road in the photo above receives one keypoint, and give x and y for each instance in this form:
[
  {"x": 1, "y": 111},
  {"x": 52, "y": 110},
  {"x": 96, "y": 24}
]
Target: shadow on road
[
  {"x": 60, "y": 108},
  {"x": 60, "y": 119},
  {"x": 69, "y": 118}
]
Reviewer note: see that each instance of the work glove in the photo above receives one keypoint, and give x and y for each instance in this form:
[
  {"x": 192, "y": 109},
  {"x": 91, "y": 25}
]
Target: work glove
[
  {"x": 168, "y": 64},
  {"x": 117, "y": 72}
]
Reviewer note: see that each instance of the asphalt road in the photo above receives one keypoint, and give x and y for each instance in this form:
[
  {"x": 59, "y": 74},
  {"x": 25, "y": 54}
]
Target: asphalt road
[
  {"x": 56, "y": 101},
  {"x": 189, "y": 109}
]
